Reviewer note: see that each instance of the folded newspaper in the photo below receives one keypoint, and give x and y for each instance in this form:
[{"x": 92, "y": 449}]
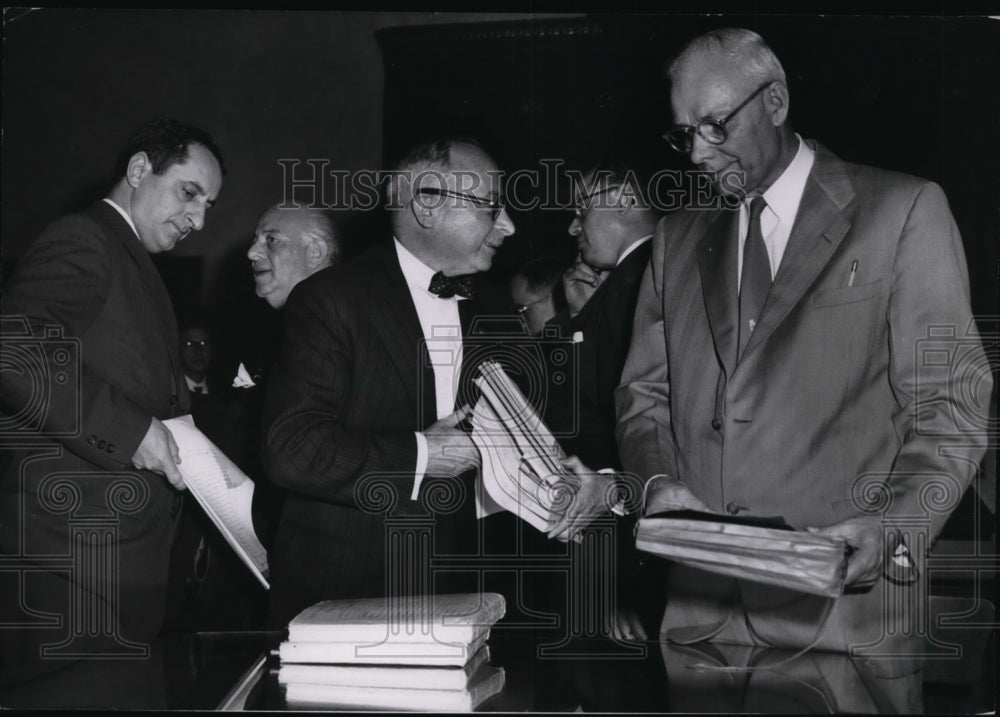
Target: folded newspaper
[
  {"x": 760, "y": 550},
  {"x": 521, "y": 471},
  {"x": 223, "y": 491}
]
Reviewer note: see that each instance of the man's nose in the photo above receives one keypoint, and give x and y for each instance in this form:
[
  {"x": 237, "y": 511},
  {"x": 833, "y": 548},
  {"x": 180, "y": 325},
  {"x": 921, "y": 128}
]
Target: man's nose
[
  {"x": 196, "y": 217},
  {"x": 504, "y": 224},
  {"x": 254, "y": 252},
  {"x": 575, "y": 227},
  {"x": 700, "y": 149}
]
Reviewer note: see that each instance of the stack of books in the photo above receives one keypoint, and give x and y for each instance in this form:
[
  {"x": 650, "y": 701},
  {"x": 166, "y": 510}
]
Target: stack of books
[{"x": 425, "y": 653}]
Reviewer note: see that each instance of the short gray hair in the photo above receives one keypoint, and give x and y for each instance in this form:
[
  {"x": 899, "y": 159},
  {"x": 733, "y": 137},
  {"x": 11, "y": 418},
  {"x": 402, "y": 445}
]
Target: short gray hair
[
  {"x": 757, "y": 60},
  {"x": 324, "y": 230}
]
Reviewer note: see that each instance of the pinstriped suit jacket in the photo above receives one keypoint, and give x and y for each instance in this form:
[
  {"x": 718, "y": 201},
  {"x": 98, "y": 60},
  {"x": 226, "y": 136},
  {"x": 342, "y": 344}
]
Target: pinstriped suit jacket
[
  {"x": 89, "y": 276},
  {"x": 351, "y": 386}
]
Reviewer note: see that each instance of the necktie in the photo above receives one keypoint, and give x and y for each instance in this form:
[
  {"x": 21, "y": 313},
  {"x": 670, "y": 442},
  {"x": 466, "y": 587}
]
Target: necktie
[
  {"x": 755, "y": 281},
  {"x": 199, "y": 389},
  {"x": 448, "y": 286}
]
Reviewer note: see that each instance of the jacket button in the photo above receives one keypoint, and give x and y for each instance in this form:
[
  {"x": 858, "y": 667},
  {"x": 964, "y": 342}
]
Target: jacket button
[
  {"x": 92, "y": 440},
  {"x": 716, "y": 423},
  {"x": 101, "y": 444},
  {"x": 173, "y": 400},
  {"x": 111, "y": 448},
  {"x": 732, "y": 508}
]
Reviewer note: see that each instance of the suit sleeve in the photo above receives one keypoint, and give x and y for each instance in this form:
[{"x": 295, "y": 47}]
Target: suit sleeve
[
  {"x": 309, "y": 445},
  {"x": 62, "y": 283},
  {"x": 642, "y": 399},
  {"x": 938, "y": 370}
]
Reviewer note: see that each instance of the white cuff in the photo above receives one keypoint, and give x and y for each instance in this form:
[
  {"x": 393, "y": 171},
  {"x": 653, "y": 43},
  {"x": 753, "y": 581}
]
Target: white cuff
[{"x": 421, "y": 465}]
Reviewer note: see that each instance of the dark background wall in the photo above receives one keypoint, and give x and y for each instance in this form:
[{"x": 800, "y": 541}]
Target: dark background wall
[{"x": 916, "y": 94}]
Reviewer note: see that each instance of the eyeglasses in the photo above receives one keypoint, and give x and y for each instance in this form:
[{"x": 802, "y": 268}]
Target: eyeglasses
[
  {"x": 200, "y": 344},
  {"x": 713, "y": 131},
  {"x": 582, "y": 204},
  {"x": 495, "y": 205},
  {"x": 521, "y": 308}
]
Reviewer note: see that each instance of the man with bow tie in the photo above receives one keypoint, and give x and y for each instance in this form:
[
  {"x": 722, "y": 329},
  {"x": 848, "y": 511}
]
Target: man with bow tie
[{"x": 366, "y": 387}]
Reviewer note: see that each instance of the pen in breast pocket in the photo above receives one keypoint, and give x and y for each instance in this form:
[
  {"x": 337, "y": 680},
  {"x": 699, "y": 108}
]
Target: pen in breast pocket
[{"x": 854, "y": 272}]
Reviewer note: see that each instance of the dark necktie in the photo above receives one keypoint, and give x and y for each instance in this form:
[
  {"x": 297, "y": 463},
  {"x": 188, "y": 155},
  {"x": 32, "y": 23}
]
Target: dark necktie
[
  {"x": 448, "y": 286},
  {"x": 755, "y": 280},
  {"x": 199, "y": 389}
]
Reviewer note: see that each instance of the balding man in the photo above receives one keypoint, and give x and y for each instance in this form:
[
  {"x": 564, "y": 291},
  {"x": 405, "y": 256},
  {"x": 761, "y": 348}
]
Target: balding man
[
  {"x": 356, "y": 396},
  {"x": 775, "y": 366},
  {"x": 289, "y": 245}
]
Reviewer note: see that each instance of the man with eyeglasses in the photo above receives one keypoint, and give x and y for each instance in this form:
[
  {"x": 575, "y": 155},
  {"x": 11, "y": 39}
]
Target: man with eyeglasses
[
  {"x": 775, "y": 366},
  {"x": 366, "y": 390},
  {"x": 613, "y": 223},
  {"x": 537, "y": 293}
]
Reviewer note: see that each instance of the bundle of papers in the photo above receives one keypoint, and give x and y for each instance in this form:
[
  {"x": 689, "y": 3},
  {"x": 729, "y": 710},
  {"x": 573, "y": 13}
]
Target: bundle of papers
[
  {"x": 521, "y": 471},
  {"x": 766, "y": 552},
  {"x": 415, "y": 652},
  {"x": 222, "y": 490}
]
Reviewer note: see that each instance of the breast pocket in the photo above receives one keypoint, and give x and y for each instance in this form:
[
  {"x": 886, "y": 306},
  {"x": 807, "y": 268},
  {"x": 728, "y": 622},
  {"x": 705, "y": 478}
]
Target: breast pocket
[{"x": 839, "y": 295}]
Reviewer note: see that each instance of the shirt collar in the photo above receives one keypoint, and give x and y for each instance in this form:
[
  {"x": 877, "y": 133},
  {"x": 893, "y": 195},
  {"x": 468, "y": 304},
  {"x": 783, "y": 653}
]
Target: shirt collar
[
  {"x": 783, "y": 197},
  {"x": 417, "y": 274},
  {"x": 125, "y": 216},
  {"x": 632, "y": 247}
]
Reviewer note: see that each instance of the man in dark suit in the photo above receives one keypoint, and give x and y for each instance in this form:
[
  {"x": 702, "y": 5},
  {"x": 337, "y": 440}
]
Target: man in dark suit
[
  {"x": 776, "y": 365},
  {"x": 613, "y": 225},
  {"x": 357, "y": 409},
  {"x": 94, "y": 471}
]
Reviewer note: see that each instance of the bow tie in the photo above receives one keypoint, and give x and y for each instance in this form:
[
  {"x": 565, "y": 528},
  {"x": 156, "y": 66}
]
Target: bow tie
[{"x": 448, "y": 286}]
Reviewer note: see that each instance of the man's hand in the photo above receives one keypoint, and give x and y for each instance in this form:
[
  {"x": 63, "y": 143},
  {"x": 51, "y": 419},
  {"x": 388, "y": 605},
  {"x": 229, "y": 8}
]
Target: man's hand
[
  {"x": 450, "y": 450},
  {"x": 579, "y": 284},
  {"x": 628, "y": 627},
  {"x": 588, "y": 501},
  {"x": 158, "y": 453},
  {"x": 864, "y": 535},
  {"x": 665, "y": 494}
]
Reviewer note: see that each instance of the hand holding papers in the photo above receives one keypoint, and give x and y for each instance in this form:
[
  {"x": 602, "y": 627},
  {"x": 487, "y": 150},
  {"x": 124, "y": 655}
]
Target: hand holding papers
[
  {"x": 223, "y": 491},
  {"x": 521, "y": 461}
]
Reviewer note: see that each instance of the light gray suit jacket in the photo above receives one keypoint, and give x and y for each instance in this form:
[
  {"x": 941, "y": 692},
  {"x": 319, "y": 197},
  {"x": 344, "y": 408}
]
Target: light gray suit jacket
[{"x": 852, "y": 395}]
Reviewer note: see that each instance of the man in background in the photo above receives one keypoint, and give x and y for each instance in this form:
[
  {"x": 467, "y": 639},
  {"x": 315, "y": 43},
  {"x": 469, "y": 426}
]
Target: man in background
[
  {"x": 99, "y": 443},
  {"x": 356, "y": 400},
  {"x": 536, "y": 290}
]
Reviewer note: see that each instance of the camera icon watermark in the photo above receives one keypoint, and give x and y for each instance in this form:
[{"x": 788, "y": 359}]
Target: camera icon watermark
[
  {"x": 953, "y": 381},
  {"x": 40, "y": 373}
]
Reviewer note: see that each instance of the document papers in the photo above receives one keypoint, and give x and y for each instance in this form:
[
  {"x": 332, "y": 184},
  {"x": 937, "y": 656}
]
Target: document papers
[
  {"x": 521, "y": 471},
  {"x": 223, "y": 491}
]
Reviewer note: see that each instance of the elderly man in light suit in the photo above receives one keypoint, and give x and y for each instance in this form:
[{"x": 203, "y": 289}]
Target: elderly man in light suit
[{"x": 774, "y": 366}]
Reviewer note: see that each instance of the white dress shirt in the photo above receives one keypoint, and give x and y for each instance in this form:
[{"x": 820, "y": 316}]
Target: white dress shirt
[
  {"x": 193, "y": 385},
  {"x": 442, "y": 330},
  {"x": 632, "y": 247},
  {"x": 125, "y": 216},
  {"x": 783, "y": 199}
]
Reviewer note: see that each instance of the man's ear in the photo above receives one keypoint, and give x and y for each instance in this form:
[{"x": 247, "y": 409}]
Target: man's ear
[
  {"x": 139, "y": 165},
  {"x": 317, "y": 253},
  {"x": 426, "y": 211},
  {"x": 776, "y": 99}
]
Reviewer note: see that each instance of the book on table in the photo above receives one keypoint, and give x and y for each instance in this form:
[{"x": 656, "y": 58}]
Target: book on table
[
  {"x": 445, "y": 629},
  {"x": 486, "y": 682}
]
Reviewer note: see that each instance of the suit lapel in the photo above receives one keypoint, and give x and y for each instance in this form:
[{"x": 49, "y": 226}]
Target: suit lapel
[
  {"x": 156, "y": 292},
  {"x": 399, "y": 328},
  {"x": 717, "y": 257},
  {"x": 819, "y": 226}
]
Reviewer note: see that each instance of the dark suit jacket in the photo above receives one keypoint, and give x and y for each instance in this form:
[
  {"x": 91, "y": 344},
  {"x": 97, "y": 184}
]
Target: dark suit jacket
[
  {"x": 351, "y": 386},
  {"x": 844, "y": 401},
  {"x": 605, "y": 322},
  {"x": 89, "y": 280}
]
